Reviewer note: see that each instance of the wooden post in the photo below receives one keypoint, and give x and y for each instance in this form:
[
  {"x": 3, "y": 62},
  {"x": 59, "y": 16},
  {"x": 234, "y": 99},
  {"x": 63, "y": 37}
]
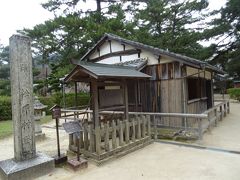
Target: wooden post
[
  {"x": 133, "y": 130},
  {"x": 143, "y": 126},
  {"x": 155, "y": 127},
  {"x": 209, "y": 121},
  {"x": 98, "y": 140},
  {"x": 126, "y": 131},
  {"x": 221, "y": 111},
  {"x": 228, "y": 107},
  {"x": 148, "y": 126},
  {"x": 216, "y": 115},
  {"x": 126, "y": 101},
  {"x": 114, "y": 135},
  {"x": 199, "y": 128},
  {"x": 225, "y": 109},
  {"x": 94, "y": 89},
  {"x": 85, "y": 131},
  {"x": 120, "y": 133},
  {"x": 136, "y": 96},
  {"x": 81, "y": 142},
  {"x": 138, "y": 128},
  {"x": 92, "y": 144},
  {"x": 106, "y": 139}
]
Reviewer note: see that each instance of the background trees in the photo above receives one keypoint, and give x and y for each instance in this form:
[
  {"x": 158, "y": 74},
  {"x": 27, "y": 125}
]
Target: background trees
[{"x": 175, "y": 25}]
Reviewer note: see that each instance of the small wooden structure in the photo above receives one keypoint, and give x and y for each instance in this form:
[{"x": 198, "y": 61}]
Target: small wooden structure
[
  {"x": 141, "y": 79},
  {"x": 104, "y": 136}
]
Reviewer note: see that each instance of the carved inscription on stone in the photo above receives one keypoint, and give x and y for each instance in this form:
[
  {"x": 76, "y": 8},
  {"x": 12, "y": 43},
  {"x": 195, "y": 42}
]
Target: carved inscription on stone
[
  {"x": 26, "y": 130},
  {"x": 22, "y": 102}
]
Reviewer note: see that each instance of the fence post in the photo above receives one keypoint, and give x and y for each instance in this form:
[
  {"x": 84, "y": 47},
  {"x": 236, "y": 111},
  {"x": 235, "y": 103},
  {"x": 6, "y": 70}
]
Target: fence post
[
  {"x": 92, "y": 144},
  {"x": 127, "y": 131},
  {"x": 114, "y": 135},
  {"x": 148, "y": 126},
  {"x": 85, "y": 131},
  {"x": 228, "y": 107},
  {"x": 138, "y": 128},
  {"x": 221, "y": 112},
  {"x": 199, "y": 128},
  {"x": 133, "y": 130},
  {"x": 209, "y": 121},
  {"x": 155, "y": 127},
  {"x": 120, "y": 133},
  {"x": 81, "y": 142},
  {"x": 98, "y": 140},
  {"x": 225, "y": 109},
  {"x": 106, "y": 139},
  {"x": 216, "y": 115},
  {"x": 143, "y": 126}
]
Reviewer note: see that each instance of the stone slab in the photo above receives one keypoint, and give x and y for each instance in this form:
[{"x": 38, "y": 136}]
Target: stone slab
[{"x": 26, "y": 170}]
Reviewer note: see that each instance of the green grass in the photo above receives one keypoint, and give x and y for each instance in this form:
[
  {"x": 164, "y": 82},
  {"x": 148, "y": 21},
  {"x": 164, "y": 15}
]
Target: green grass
[
  {"x": 6, "y": 128},
  {"x": 46, "y": 119}
]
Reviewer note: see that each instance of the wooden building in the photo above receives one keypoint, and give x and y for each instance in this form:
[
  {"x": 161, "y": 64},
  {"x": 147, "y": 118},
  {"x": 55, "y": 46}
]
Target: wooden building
[
  {"x": 129, "y": 76},
  {"x": 236, "y": 84},
  {"x": 177, "y": 84}
]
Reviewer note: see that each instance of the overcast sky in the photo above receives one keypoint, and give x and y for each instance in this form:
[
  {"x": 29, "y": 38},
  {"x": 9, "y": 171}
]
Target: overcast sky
[{"x": 19, "y": 14}]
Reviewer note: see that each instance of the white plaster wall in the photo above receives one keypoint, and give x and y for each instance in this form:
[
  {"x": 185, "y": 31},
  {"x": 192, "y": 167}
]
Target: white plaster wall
[
  {"x": 94, "y": 55},
  {"x": 105, "y": 48},
  {"x": 111, "y": 60},
  {"x": 116, "y": 46}
]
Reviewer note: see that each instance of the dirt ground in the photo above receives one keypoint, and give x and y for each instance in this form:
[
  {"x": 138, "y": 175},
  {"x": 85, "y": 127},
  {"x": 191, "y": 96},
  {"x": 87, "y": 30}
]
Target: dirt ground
[{"x": 156, "y": 161}]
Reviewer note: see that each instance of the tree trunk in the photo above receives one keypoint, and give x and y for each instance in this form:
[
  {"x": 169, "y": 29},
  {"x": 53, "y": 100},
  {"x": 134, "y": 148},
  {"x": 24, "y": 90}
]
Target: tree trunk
[{"x": 99, "y": 6}]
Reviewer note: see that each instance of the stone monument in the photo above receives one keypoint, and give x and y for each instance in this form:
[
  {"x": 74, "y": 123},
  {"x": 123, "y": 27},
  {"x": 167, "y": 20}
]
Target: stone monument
[{"x": 26, "y": 164}]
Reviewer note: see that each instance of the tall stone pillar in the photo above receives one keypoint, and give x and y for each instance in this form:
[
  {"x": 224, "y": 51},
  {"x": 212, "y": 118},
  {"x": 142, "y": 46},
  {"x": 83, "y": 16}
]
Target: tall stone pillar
[
  {"x": 26, "y": 164},
  {"x": 22, "y": 97}
]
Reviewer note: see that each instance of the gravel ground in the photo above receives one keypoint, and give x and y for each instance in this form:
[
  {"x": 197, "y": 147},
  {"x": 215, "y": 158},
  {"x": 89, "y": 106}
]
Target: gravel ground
[{"x": 156, "y": 161}]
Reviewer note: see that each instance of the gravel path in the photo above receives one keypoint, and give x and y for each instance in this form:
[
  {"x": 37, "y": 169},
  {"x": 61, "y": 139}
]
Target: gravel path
[{"x": 156, "y": 161}]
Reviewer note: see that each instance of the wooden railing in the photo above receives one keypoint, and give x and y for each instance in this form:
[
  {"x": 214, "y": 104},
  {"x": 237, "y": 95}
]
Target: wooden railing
[
  {"x": 112, "y": 136},
  {"x": 217, "y": 113},
  {"x": 116, "y": 135}
]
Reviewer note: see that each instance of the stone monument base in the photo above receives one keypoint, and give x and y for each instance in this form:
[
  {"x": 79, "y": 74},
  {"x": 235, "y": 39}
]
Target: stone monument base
[{"x": 29, "y": 169}]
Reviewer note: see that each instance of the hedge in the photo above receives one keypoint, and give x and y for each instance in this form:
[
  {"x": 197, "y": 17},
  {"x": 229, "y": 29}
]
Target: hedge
[
  {"x": 234, "y": 93},
  {"x": 6, "y": 111},
  {"x": 83, "y": 99},
  {"x": 5, "y": 108}
]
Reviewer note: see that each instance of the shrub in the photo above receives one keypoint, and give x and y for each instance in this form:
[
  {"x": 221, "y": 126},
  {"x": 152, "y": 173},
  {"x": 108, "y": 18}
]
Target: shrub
[
  {"x": 234, "y": 93},
  {"x": 5, "y": 108},
  {"x": 83, "y": 99}
]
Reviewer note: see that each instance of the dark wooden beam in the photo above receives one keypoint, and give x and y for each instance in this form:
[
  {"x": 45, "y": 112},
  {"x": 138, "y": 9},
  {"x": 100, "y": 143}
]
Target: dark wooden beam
[
  {"x": 117, "y": 53},
  {"x": 94, "y": 89},
  {"x": 110, "y": 45},
  {"x": 124, "y": 47},
  {"x": 76, "y": 98},
  {"x": 126, "y": 112}
]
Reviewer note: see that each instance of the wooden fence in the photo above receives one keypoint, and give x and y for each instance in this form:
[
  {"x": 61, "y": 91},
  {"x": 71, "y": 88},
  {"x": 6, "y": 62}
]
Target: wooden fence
[
  {"x": 116, "y": 135},
  {"x": 112, "y": 137}
]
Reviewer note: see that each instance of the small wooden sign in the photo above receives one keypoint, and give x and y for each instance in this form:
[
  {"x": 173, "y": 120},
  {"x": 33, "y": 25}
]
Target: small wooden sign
[{"x": 56, "y": 111}]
